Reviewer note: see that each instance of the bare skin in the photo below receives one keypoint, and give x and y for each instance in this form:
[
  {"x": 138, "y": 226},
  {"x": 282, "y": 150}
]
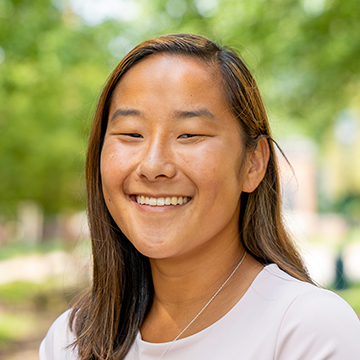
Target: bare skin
[{"x": 179, "y": 298}]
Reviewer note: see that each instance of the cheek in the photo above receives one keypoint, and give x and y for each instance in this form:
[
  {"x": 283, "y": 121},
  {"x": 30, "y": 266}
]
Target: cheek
[
  {"x": 112, "y": 157},
  {"x": 105, "y": 169},
  {"x": 111, "y": 169},
  {"x": 216, "y": 172},
  {"x": 112, "y": 181}
]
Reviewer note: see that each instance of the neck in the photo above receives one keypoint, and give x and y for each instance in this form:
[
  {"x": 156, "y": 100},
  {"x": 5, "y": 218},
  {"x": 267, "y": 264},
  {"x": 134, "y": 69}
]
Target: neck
[
  {"x": 183, "y": 286},
  {"x": 182, "y": 280}
]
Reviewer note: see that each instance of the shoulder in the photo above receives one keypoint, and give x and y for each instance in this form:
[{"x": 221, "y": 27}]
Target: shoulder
[
  {"x": 55, "y": 345},
  {"x": 315, "y": 323}
]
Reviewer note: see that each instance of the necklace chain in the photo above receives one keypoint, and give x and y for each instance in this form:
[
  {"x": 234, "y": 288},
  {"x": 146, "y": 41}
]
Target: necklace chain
[{"x": 206, "y": 305}]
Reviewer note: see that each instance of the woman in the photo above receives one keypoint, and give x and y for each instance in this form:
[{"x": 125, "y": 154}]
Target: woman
[{"x": 191, "y": 258}]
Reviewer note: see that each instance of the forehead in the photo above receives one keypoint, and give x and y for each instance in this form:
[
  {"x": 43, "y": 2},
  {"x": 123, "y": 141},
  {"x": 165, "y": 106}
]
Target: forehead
[
  {"x": 178, "y": 75},
  {"x": 172, "y": 66}
]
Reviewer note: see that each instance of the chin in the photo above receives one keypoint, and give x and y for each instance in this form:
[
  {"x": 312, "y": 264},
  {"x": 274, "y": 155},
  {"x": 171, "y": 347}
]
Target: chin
[
  {"x": 155, "y": 253},
  {"x": 154, "y": 249},
  {"x": 154, "y": 244}
]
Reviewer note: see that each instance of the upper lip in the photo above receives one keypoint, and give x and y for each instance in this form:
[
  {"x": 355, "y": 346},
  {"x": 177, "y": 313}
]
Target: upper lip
[{"x": 158, "y": 195}]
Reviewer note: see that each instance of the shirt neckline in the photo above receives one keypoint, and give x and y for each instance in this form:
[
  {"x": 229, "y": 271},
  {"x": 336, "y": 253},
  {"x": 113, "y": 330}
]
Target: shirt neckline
[{"x": 159, "y": 347}]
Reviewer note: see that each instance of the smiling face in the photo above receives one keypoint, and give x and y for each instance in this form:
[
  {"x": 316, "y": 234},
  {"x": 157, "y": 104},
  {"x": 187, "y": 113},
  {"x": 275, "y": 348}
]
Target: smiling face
[{"x": 173, "y": 164}]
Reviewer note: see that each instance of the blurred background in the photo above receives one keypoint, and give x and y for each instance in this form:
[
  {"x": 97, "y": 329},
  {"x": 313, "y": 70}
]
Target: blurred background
[{"x": 55, "y": 56}]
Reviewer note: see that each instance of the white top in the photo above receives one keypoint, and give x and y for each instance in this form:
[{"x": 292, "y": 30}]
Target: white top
[{"x": 279, "y": 318}]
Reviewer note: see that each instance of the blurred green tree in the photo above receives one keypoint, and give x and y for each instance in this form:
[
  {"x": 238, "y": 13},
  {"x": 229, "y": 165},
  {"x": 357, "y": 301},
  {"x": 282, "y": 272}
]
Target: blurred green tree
[
  {"x": 52, "y": 69},
  {"x": 309, "y": 52},
  {"x": 305, "y": 55}
]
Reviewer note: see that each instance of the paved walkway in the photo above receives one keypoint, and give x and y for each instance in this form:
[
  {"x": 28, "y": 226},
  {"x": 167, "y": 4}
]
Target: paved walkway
[
  {"x": 38, "y": 267},
  {"x": 32, "y": 354}
]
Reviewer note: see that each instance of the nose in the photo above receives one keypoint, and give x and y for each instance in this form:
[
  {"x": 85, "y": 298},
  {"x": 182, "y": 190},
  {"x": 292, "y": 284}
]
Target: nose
[{"x": 157, "y": 161}]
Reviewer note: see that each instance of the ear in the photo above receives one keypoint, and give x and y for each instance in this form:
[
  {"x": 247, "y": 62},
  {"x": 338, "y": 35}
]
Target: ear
[{"x": 257, "y": 165}]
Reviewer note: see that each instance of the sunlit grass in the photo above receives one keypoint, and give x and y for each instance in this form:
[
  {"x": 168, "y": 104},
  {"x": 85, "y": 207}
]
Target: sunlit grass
[
  {"x": 15, "y": 326},
  {"x": 28, "y": 309},
  {"x": 352, "y": 296},
  {"x": 27, "y": 296},
  {"x": 19, "y": 248},
  {"x": 19, "y": 293}
]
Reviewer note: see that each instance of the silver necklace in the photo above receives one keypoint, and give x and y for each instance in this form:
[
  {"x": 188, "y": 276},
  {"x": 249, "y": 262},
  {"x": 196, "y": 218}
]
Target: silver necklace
[{"x": 206, "y": 305}]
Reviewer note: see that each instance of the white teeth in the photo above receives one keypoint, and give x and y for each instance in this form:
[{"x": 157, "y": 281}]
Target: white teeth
[
  {"x": 174, "y": 200},
  {"x": 160, "y": 202}
]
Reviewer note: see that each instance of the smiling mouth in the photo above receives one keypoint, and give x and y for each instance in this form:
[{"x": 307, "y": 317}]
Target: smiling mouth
[{"x": 162, "y": 201}]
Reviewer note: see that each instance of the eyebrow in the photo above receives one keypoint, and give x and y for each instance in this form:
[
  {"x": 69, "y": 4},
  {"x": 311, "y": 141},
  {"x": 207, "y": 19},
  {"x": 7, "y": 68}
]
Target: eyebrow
[
  {"x": 194, "y": 113},
  {"x": 125, "y": 112},
  {"x": 180, "y": 114}
]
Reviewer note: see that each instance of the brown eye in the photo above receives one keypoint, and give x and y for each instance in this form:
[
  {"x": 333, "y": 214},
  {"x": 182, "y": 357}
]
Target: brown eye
[
  {"x": 135, "y": 135},
  {"x": 186, "y": 136}
]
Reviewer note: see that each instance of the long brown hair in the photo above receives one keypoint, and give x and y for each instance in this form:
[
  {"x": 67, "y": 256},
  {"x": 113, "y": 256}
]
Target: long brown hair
[{"x": 108, "y": 318}]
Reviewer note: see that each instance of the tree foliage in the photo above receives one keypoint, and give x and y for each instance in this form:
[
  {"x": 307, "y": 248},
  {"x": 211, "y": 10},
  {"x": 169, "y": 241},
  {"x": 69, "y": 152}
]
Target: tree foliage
[
  {"x": 53, "y": 63},
  {"x": 52, "y": 71}
]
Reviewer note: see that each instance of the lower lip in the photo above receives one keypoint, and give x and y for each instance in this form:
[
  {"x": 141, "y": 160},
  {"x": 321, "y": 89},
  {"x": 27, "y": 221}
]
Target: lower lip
[{"x": 158, "y": 209}]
